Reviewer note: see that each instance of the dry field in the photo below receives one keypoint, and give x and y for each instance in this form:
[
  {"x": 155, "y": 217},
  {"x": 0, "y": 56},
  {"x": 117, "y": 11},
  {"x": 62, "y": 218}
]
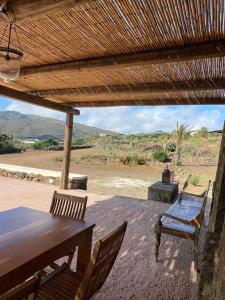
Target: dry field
[{"x": 107, "y": 175}]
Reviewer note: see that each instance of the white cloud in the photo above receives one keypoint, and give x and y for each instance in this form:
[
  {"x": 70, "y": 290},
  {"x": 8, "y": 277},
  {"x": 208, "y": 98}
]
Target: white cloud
[
  {"x": 136, "y": 119},
  {"x": 150, "y": 119}
]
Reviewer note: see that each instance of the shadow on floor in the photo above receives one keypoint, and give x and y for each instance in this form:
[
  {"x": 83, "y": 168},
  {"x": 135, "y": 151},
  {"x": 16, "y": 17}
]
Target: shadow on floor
[{"x": 136, "y": 275}]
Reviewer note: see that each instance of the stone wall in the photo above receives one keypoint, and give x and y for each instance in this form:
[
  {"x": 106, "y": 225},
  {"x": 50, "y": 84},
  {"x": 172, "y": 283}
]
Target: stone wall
[{"x": 74, "y": 183}]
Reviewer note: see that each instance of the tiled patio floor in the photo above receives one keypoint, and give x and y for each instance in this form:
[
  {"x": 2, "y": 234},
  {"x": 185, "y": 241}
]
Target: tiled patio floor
[{"x": 135, "y": 274}]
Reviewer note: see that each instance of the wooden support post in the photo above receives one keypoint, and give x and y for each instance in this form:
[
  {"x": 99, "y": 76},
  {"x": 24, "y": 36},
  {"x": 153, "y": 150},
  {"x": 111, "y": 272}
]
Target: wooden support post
[
  {"x": 67, "y": 151},
  {"x": 217, "y": 214}
]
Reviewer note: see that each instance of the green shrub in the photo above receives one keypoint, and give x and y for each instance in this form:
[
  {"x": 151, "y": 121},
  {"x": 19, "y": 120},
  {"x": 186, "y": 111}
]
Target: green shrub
[
  {"x": 160, "y": 155},
  {"x": 4, "y": 138},
  {"x": 126, "y": 160},
  {"x": 49, "y": 144},
  {"x": 171, "y": 147},
  {"x": 141, "y": 161},
  {"x": 203, "y": 132},
  {"x": 79, "y": 142},
  {"x": 6, "y": 146},
  {"x": 194, "y": 180},
  {"x": 133, "y": 160},
  {"x": 37, "y": 146}
]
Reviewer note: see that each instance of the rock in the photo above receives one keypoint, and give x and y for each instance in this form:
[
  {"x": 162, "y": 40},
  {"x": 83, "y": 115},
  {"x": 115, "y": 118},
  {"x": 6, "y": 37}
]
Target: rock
[{"x": 51, "y": 181}]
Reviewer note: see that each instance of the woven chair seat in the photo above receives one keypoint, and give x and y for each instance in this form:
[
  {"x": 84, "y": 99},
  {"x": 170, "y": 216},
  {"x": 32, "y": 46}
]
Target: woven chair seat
[{"x": 62, "y": 284}]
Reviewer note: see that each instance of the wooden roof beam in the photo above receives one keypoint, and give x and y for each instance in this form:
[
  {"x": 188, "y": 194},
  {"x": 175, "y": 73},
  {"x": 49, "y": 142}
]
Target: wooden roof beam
[
  {"x": 24, "y": 9},
  {"x": 153, "y": 102},
  {"x": 190, "y": 85},
  {"x": 199, "y": 51},
  {"x": 36, "y": 100}
]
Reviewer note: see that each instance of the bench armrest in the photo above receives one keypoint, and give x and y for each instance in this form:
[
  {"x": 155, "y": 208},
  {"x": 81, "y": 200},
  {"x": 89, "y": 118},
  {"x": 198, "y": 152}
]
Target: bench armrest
[
  {"x": 174, "y": 218},
  {"x": 202, "y": 195}
]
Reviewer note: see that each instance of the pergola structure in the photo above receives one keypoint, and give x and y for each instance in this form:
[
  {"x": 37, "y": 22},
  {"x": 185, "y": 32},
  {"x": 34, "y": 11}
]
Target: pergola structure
[{"x": 101, "y": 53}]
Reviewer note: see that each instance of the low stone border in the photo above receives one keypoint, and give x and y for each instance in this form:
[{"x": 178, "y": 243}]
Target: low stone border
[{"x": 74, "y": 183}]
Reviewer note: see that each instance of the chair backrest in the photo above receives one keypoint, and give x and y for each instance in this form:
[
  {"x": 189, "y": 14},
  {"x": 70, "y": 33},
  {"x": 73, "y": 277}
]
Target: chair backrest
[
  {"x": 27, "y": 290},
  {"x": 101, "y": 263},
  {"x": 69, "y": 206}
]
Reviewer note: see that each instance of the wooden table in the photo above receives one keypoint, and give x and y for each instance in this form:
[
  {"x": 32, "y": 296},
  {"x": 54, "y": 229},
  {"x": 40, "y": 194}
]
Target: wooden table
[{"x": 31, "y": 239}]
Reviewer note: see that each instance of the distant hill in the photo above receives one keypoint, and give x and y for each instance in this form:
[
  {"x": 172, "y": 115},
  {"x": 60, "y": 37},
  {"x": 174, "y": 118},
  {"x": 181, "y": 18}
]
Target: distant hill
[{"x": 31, "y": 126}]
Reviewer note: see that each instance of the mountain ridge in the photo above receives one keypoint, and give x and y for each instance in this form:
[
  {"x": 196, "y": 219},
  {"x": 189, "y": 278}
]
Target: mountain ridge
[{"x": 27, "y": 126}]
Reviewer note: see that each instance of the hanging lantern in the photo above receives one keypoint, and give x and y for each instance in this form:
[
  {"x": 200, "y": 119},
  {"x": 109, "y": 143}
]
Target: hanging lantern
[{"x": 10, "y": 58}]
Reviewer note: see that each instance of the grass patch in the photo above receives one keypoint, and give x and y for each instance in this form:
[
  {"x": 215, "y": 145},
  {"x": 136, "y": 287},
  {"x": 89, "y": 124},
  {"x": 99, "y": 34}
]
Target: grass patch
[
  {"x": 195, "y": 139},
  {"x": 195, "y": 180},
  {"x": 188, "y": 151}
]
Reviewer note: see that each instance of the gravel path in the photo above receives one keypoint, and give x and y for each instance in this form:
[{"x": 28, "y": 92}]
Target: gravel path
[{"x": 135, "y": 275}]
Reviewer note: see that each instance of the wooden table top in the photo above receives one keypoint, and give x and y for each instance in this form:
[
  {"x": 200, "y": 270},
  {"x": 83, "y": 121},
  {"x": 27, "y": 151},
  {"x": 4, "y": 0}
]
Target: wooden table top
[{"x": 26, "y": 234}]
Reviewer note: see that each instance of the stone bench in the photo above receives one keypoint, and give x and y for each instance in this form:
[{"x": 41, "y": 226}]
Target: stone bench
[{"x": 76, "y": 181}]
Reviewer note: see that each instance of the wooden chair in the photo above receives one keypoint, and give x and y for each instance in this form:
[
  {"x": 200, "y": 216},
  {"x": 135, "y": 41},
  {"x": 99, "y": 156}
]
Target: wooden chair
[
  {"x": 183, "y": 219},
  {"x": 68, "y": 206},
  {"x": 26, "y": 291},
  {"x": 64, "y": 284}
]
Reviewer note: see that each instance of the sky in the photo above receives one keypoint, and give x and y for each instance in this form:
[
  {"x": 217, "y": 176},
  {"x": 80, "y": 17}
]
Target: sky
[{"x": 138, "y": 119}]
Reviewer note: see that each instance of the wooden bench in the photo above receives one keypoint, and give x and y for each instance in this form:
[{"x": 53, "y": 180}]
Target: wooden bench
[{"x": 183, "y": 219}]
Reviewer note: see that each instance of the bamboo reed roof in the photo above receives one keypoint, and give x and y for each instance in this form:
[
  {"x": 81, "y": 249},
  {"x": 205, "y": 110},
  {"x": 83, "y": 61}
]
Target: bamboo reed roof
[{"x": 89, "y": 53}]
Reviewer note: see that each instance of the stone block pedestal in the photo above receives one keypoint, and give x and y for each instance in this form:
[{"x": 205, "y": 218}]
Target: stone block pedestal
[{"x": 163, "y": 192}]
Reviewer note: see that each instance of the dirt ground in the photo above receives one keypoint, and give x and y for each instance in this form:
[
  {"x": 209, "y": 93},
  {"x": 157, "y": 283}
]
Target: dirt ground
[
  {"x": 135, "y": 275},
  {"x": 113, "y": 177}
]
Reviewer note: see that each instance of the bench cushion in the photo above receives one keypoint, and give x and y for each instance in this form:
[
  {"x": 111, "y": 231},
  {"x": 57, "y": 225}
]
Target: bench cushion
[
  {"x": 192, "y": 200},
  {"x": 188, "y": 209},
  {"x": 184, "y": 211},
  {"x": 173, "y": 224}
]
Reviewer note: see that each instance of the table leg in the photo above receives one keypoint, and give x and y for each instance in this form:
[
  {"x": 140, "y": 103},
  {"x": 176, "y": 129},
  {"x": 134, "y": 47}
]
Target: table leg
[
  {"x": 70, "y": 258},
  {"x": 84, "y": 251}
]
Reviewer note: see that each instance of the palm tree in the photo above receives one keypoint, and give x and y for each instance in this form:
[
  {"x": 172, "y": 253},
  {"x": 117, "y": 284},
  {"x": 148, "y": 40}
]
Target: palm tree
[{"x": 180, "y": 134}]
